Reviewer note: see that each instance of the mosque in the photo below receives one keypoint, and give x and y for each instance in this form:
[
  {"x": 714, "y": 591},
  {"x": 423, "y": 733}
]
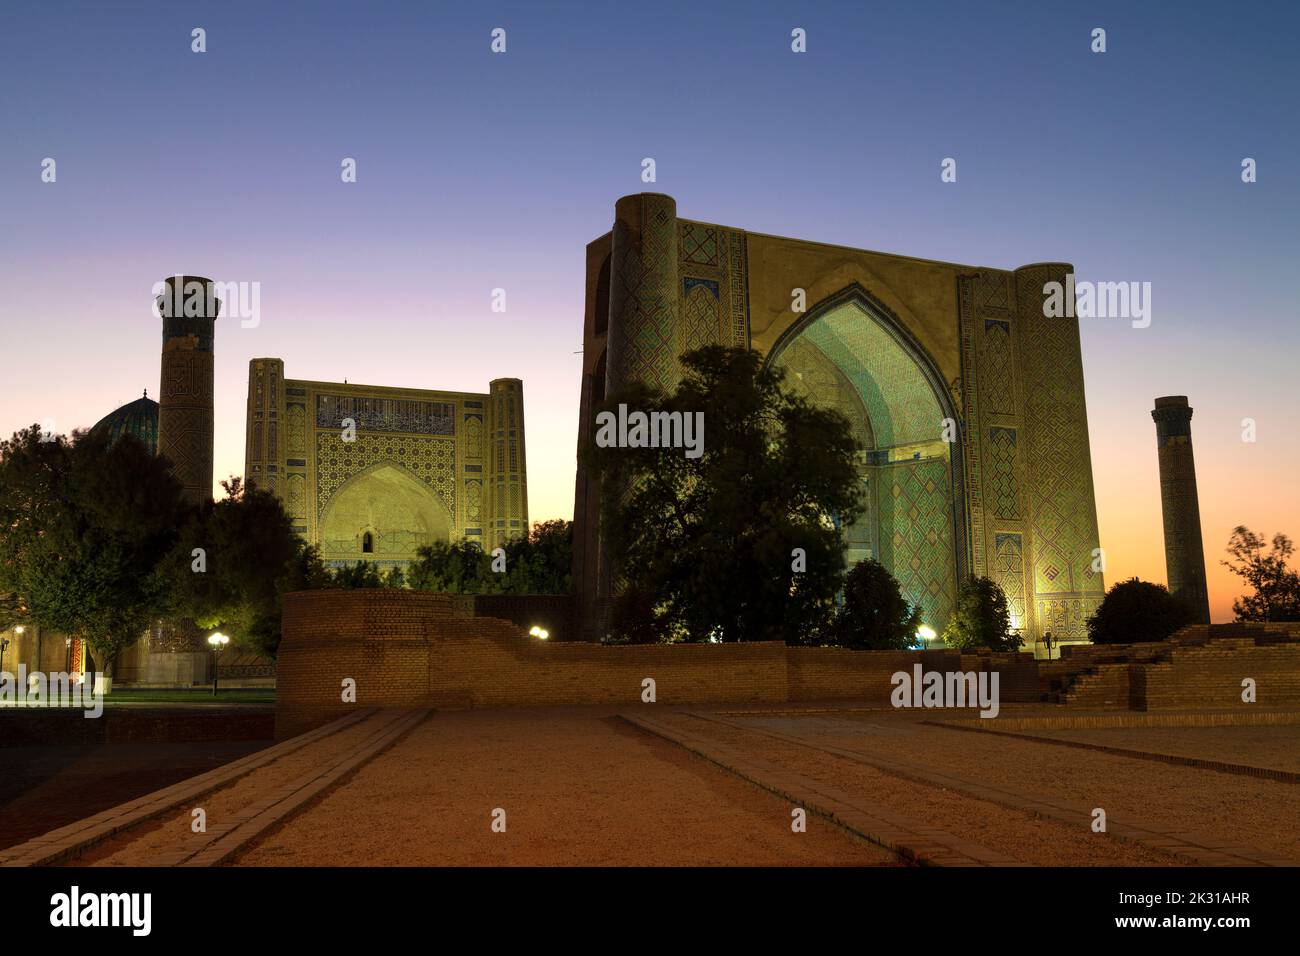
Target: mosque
[{"x": 966, "y": 397}]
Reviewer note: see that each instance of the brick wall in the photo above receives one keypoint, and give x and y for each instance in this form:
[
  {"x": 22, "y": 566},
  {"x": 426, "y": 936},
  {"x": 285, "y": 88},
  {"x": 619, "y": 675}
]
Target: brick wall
[
  {"x": 408, "y": 648},
  {"x": 1211, "y": 676},
  {"x": 551, "y": 611}
]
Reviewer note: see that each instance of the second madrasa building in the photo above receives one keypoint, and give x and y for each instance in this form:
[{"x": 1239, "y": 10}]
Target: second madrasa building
[{"x": 372, "y": 473}]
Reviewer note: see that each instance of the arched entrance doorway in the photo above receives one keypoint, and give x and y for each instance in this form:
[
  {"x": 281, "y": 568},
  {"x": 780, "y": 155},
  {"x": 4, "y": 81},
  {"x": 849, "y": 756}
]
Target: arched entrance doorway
[
  {"x": 850, "y": 354},
  {"x": 382, "y": 514}
]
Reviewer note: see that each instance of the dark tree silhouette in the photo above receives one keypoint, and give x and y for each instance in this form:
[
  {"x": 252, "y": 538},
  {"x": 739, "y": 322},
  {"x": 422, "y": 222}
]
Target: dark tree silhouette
[{"x": 1135, "y": 611}]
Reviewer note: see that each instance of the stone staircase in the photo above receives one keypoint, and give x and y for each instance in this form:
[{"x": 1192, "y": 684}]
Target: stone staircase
[{"x": 1107, "y": 677}]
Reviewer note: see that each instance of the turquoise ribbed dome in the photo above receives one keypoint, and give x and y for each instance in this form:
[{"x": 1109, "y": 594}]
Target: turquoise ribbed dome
[{"x": 138, "y": 418}]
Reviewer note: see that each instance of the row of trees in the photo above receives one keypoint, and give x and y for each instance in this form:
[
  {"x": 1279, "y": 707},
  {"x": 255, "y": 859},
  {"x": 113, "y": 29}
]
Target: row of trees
[{"x": 97, "y": 542}]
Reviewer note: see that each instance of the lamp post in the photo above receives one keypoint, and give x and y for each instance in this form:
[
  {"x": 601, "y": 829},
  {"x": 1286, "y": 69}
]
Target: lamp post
[
  {"x": 218, "y": 642},
  {"x": 4, "y": 646},
  {"x": 67, "y": 649}
]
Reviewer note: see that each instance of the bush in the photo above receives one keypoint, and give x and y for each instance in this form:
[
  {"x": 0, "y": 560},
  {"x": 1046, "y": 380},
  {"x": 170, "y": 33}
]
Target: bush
[
  {"x": 981, "y": 619},
  {"x": 1134, "y": 611},
  {"x": 874, "y": 615}
]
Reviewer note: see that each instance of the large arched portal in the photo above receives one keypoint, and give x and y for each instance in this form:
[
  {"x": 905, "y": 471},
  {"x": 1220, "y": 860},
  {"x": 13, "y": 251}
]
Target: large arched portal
[
  {"x": 850, "y": 355},
  {"x": 382, "y": 514}
]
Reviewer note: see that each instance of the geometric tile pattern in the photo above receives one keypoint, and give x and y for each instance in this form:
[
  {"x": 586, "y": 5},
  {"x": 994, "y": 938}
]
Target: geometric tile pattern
[
  {"x": 1062, "y": 510},
  {"x": 1010, "y": 574},
  {"x": 185, "y": 418},
  {"x": 915, "y": 520},
  {"x": 643, "y": 296},
  {"x": 898, "y": 397},
  {"x": 699, "y": 243},
  {"x": 431, "y": 460},
  {"x": 1001, "y": 475},
  {"x": 699, "y": 313},
  {"x": 996, "y": 384}
]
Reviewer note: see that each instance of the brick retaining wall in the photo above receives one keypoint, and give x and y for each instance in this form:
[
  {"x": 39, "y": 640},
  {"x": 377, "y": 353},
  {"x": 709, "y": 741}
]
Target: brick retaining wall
[{"x": 408, "y": 648}]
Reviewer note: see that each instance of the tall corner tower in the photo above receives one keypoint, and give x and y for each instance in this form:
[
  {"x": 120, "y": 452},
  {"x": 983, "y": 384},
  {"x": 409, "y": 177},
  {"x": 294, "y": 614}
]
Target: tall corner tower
[
  {"x": 507, "y": 462},
  {"x": 189, "y": 308},
  {"x": 1184, "y": 553},
  {"x": 643, "y": 294}
]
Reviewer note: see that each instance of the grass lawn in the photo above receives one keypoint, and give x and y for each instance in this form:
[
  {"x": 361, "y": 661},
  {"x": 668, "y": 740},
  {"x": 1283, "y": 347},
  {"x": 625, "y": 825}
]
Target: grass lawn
[
  {"x": 192, "y": 695},
  {"x": 167, "y": 695}
]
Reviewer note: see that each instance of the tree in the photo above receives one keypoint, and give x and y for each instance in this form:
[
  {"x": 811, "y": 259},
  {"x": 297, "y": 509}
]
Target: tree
[
  {"x": 365, "y": 574},
  {"x": 1276, "y": 586},
  {"x": 875, "y": 615},
  {"x": 538, "y": 563},
  {"x": 459, "y": 567},
  {"x": 1135, "y": 611},
  {"x": 234, "y": 559},
  {"x": 981, "y": 619},
  {"x": 741, "y": 542},
  {"x": 85, "y": 523},
  {"x": 542, "y": 561}
]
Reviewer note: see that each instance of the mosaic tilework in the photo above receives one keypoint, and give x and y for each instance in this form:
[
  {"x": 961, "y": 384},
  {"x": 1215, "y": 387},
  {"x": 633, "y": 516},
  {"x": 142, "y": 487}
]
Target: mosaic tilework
[
  {"x": 698, "y": 243},
  {"x": 296, "y": 429},
  {"x": 998, "y": 386},
  {"x": 1063, "y": 513},
  {"x": 810, "y": 374},
  {"x": 899, "y": 400},
  {"x": 295, "y": 497},
  {"x": 1010, "y": 574},
  {"x": 644, "y": 294},
  {"x": 972, "y": 405},
  {"x": 699, "y": 313},
  {"x": 185, "y": 418},
  {"x": 386, "y": 414},
  {"x": 138, "y": 418},
  {"x": 431, "y": 460},
  {"x": 735, "y": 278},
  {"x": 473, "y": 499},
  {"x": 915, "y": 520},
  {"x": 1001, "y": 473}
]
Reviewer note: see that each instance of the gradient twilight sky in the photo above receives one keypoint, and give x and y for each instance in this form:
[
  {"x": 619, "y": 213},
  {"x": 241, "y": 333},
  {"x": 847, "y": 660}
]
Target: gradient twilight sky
[{"x": 478, "y": 171}]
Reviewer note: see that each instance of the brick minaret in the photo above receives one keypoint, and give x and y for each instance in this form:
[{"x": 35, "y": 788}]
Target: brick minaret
[
  {"x": 1184, "y": 554},
  {"x": 188, "y": 307}
]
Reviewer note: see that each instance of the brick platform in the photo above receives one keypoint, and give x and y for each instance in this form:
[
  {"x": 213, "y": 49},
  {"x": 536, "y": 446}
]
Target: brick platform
[{"x": 418, "y": 649}]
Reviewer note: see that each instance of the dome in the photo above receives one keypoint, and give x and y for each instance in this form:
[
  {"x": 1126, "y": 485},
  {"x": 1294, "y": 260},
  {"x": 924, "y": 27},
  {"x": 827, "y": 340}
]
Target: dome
[{"x": 138, "y": 418}]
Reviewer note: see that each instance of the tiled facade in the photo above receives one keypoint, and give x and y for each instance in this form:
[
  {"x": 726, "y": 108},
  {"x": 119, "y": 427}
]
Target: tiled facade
[
  {"x": 905, "y": 348},
  {"x": 373, "y": 473}
]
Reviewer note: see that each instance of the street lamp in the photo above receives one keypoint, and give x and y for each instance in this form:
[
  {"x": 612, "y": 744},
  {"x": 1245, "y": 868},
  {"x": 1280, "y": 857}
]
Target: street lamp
[
  {"x": 540, "y": 633},
  {"x": 218, "y": 642},
  {"x": 926, "y": 634}
]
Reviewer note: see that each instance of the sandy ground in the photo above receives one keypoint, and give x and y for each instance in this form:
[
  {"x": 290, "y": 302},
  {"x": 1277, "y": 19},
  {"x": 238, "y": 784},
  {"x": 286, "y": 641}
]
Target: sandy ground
[
  {"x": 1020, "y": 835},
  {"x": 1276, "y": 747},
  {"x": 578, "y": 788},
  {"x": 1260, "y": 813},
  {"x": 138, "y": 846}
]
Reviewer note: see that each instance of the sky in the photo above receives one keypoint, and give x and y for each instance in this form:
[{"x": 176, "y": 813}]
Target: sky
[{"x": 478, "y": 171}]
